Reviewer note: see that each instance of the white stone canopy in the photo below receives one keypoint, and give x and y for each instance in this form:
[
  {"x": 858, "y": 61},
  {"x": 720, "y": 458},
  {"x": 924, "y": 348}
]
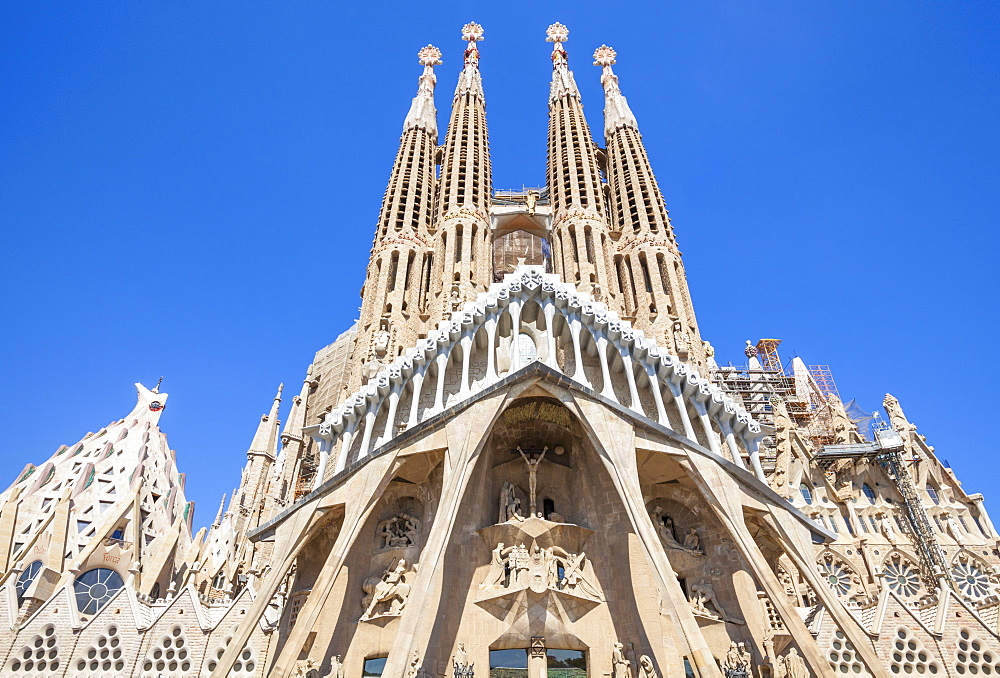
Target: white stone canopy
[{"x": 602, "y": 353}]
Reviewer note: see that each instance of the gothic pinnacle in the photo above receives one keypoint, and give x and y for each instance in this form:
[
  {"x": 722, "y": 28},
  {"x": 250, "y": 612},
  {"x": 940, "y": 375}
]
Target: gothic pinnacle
[
  {"x": 470, "y": 81},
  {"x": 616, "y": 111},
  {"x": 422, "y": 113},
  {"x": 563, "y": 83}
]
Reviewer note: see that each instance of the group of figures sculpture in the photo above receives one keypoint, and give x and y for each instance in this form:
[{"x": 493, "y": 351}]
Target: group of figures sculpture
[
  {"x": 625, "y": 665},
  {"x": 398, "y": 532},
  {"x": 738, "y": 662},
  {"x": 665, "y": 527},
  {"x": 518, "y": 567}
]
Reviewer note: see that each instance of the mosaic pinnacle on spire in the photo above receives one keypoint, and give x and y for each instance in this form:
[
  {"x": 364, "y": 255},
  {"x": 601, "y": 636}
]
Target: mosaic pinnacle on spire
[
  {"x": 422, "y": 112},
  {"x": 563, "y": 83},
  {"x": 616, "y": 111},
  {"x": 470, "y": 80}
]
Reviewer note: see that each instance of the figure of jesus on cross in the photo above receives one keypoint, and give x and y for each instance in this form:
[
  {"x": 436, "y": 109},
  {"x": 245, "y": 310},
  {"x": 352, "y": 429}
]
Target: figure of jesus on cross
[{"x": 532, "y": 476}]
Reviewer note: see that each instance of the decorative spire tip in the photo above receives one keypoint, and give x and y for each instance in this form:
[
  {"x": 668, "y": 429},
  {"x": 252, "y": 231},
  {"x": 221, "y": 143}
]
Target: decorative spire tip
[
  {"x": 472, "y": 32},
  {"x": 429, "y": 56},
  {"x": 604, "y": 56},
  {"x": 557, "y": 32}
]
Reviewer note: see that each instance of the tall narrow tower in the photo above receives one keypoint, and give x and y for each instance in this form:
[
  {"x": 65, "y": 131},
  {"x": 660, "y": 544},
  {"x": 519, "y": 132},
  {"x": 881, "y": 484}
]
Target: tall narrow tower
[
  {"x": 579, "y": 221},
  {"x": 648, "y": 265},
  {"x": 462, "y": 226},
  {"x": 394, "y": 296}
]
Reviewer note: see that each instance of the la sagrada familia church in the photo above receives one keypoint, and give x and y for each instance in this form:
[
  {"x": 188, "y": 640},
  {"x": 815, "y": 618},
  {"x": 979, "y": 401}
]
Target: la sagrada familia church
[{"x": 521, "y": 460}]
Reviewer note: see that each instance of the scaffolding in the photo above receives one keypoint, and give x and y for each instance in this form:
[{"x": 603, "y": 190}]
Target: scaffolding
[{"x": 887, "y": 450}]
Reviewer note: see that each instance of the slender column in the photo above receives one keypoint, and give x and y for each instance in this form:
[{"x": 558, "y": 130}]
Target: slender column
[
  {"x": 682, "y": 407},
  {"x": 734, "y": 449},
  {"x": 654, "y": 386},
  {"x": 466, "y": 350},
  {"x": 706, "y": 426},
  {"x": 549, "y": 309},
  {"x": 491, "y": 351},
  {"x": 417, "y": 380},
  {"x": 579, "y": 374},
  {"x": 630, "y": 378},
  {"x": 442, "y": 366},
  {"x": 515, "y": 328},
  {"x": 324, "y": 459},
  {"x": 602, "y": 351},
  {"x": 366, "y": 437},
  {"x": 753, "y": 446},
  {"x": 345, "y": 447},
  {"x": 389, "y": 432}
]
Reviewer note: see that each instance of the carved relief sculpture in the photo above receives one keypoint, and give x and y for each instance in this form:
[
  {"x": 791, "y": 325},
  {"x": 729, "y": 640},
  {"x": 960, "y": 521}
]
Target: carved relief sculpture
[
  {"x": 532, "y": 476},
  {"x": 386, "y": 595},
  {"x": 398, "y": 532},
  {"x": 620, "y": 665},
  {"x": 510, "y": 504}
]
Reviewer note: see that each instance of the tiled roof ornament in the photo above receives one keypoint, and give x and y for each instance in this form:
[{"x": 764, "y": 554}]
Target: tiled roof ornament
[
  {"x": 470, "y": 80},
  {"x": 563, "y": 83}
]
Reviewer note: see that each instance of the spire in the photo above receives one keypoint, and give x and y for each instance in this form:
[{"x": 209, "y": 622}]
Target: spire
[
  {"x": 218, "y": 516},
  {"x": 265, "y": 441},
  {"x": 650, "y": 274},
  {"x": 422, "y": 112},
  {"x": 563, "y": 83},
  {"x": 616, "y": 111},
  {"x": 465, "y": 188},
  {"x": 580, "y": 249},
  {"x": 470, "y": 80}
]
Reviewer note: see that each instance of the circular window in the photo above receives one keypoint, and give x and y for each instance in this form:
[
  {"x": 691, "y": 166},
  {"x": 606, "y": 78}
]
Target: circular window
[
  {"x": 26, "y": 579},
  {"x": 971, "y": 580},
  {"x": 902, "y": 578},
  {"x": 94, "y": 588}
]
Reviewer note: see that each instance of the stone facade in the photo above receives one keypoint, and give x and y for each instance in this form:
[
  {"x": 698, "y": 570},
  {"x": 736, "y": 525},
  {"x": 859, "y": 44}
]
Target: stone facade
[{"x": 521, "y": 459}]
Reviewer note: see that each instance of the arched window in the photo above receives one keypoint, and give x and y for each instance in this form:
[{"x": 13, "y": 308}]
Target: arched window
[
  {"x": 94, "y": 588},
  {"x": 219, "y": 582},
  {"x": 806, "y": 493},
  {"x": 869, "y": 492},
  {"x": 26, "y": 579},
  {"x": 525, "y": 348},
  {"x": 933, "y": 494}
]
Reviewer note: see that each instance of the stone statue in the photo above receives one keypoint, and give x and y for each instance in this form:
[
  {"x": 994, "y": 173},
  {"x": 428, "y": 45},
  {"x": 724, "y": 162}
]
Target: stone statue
[
  {"x": 388, "y": 594},
  {"x": 886, "y": 528},
  {"x": 795, "y": 666},
  {"x": 746, "y": 658},
  {"x": 951, "y": 526},
  {"x": 703, "y": 595},
  {"x": 620, "y": 667},
  {"x": 275, "y": 606},
  {"x": 414, "y": 668},
  {"x": 633, "y": 664},
  {"x": 692, "y": 542},
  {"x": 664, "y": 526},
  {"x": 532, "y": 476},
  {"x": 336, "y": 668},
  {"x": 737, "y": 663},
  {"x": 680, "y": 340},
  {"x": 646, "y": 669},
  {"x": 497, "y": 576},
  {"x": 306, "y": 669},
  {"x": 510, "y": 505},
  {"x": 463, "y": 668},
  {"x": 380, "y": 340}
]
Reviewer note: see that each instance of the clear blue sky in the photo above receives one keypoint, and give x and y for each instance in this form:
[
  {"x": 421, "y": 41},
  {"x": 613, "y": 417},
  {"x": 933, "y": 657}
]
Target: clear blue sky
[{"x": 190, "y": 190}]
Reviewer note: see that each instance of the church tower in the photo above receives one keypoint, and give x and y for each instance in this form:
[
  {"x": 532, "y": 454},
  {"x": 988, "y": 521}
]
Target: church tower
[
  {"x": 395, "y": 294},
  {"x": 465, "y": 190},
  {"x": 648, "y": 265},
  {"x": 580, "y": 237}
]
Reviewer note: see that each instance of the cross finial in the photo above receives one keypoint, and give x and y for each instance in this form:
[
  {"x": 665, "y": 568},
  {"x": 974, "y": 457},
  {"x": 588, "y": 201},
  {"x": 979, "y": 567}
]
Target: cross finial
[
  {"x": 604, "y": 56},
  {"x": 156, "y": 389},
  {"x": 557, "y": 32},
  {"x": 429, "y": 56},
  {"x": 472, "y": 32}
]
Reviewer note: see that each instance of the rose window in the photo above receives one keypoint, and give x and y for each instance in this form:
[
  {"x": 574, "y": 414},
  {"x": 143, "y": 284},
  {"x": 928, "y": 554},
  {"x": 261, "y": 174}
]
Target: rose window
[
  {"x": 94, "y": 588},
  {"x": 971, "y": 581},
  {"x": 837, "y": 576},
  {"x": 902, "y": 578}
]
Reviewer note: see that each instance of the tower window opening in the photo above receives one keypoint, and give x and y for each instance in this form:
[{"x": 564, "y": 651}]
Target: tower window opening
[{"x": 869, "y": 493}]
